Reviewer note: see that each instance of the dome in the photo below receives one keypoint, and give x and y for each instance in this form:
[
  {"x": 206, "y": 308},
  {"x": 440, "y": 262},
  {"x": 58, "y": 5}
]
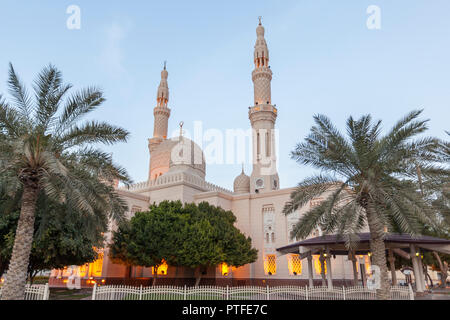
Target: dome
[
  {"x": 186, "y": 155},
  {"x": 177, "y": 154},
  {"x": 242, "y": 183}
]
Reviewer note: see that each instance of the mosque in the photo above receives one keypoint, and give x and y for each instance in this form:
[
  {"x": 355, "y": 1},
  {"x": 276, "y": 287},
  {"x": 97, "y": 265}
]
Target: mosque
[{"x": 177, "y": 172}]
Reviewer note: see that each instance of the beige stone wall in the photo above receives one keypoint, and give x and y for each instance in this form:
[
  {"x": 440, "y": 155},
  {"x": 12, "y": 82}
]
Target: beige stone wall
[{"x": 255, "y": 213}]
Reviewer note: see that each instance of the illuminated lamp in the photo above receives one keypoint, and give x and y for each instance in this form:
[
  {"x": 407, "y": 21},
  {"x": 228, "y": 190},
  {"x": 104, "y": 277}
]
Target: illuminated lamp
[{"x": 369, "y": 254}]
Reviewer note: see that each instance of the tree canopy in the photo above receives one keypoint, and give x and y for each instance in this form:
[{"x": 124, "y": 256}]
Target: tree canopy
[
  {"x": 62, "y": 237},
  {"x": 193, "y": 236},
  {"x": 371, "y": 180},
  {"x": 45, "y": 147}
]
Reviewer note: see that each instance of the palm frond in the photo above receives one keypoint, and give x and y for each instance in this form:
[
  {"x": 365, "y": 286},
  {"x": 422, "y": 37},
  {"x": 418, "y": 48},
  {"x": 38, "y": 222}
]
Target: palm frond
[
  {"x": 92, "y": 132},
  {"x": 77, "y": 106},
  {"x": 20, "y": 95}
]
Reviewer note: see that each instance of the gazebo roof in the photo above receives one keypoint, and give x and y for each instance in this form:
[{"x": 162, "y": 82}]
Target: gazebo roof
[{"x": 336, "y": 244}]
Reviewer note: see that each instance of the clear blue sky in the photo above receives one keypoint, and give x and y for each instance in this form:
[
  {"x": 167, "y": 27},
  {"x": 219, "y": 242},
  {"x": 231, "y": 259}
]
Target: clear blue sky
[{"x": 324, "y": 60}]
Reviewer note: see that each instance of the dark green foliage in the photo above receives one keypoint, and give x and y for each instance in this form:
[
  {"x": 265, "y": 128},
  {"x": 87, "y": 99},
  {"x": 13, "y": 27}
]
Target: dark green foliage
[
  {"x": 44, "y": 147},
  {"x": 191, "y": 236},
  {"x": 62, "y": 236}
]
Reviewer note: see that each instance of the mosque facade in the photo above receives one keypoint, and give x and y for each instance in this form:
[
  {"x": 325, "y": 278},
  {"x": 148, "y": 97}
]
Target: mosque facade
[{"x": 177, "y": 172}]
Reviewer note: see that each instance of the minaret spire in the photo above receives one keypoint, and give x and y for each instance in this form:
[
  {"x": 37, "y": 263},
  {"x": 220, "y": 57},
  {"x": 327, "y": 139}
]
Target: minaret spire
[
  {"x": 162, "y": 96},
  {"x": 161, "y": 111},
  {"x": 161, "y": 114},
  {"x": 262, "y": 117}
]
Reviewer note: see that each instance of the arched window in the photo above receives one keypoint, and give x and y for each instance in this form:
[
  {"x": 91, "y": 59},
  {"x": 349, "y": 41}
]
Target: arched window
[
  {"x": 270, "y": 264},
  {"x": 294, "y": 264}
]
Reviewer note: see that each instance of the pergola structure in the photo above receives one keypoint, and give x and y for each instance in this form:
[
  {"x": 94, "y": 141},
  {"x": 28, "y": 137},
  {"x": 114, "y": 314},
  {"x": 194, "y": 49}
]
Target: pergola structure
[{"x": 403, "y": 245}]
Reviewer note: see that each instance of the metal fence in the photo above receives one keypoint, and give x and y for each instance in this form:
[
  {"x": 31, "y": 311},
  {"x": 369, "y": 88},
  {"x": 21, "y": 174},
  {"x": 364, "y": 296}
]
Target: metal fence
[
  {"x": 35, "y": 292},
  {"x": 244, "y": 293}
]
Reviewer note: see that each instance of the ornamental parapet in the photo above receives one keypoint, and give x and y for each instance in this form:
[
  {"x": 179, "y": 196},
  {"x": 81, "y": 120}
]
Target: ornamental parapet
[{"x": 176, "y": 178}]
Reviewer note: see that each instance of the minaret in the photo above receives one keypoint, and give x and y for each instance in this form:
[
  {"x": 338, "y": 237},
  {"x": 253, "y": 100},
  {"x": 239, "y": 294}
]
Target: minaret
[
  {"x": 262, "y": 118},
  {"x": 161, "y": 113}
]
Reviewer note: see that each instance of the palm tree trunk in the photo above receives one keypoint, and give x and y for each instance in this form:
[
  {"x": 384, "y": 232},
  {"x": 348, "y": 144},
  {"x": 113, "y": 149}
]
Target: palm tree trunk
[
  {"x": 443, "y": 267},
  {"x": 16, "y": 276},
  {"x": 378, "y": 248}
]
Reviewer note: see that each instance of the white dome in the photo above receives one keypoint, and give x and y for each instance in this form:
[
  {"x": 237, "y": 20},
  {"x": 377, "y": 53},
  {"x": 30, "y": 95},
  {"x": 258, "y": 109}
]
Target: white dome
[
  {"x": 242, "y": 183},
  {"x": 186, "y": 155},
  {"x": 178, "y": 155}
]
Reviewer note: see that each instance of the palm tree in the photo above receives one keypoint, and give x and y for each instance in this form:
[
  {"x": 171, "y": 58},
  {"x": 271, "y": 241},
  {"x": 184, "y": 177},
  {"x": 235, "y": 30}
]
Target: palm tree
[
  {"x": 369, "y": 179},
  {"x": 44, "y": 147}
]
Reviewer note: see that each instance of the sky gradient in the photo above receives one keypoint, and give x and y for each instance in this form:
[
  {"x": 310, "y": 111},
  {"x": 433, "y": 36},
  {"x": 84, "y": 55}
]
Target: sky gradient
[{"x": 324, "y": 59}]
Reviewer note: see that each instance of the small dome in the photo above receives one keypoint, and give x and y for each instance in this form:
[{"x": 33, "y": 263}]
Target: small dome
[{"x": 242, "y": 183}]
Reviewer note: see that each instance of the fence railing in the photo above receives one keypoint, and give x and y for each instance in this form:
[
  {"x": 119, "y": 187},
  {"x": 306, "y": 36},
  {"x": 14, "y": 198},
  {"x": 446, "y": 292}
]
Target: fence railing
[
  {"x": 121, "y": 292},
  {"x": 35, "y": 292}
]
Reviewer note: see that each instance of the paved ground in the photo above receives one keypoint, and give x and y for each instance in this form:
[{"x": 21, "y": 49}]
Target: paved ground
[
  {"x": 66, "y": 294},
  {"x": 436, "y": 294}
]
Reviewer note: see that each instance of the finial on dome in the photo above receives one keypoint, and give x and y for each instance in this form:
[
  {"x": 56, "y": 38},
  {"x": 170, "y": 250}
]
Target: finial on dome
[
  {"x": 242, "y": 167},
  {"x": 165, "y": 62},
  {"x": 259, "y": 18},
  {"x": 181, "y": 128}
]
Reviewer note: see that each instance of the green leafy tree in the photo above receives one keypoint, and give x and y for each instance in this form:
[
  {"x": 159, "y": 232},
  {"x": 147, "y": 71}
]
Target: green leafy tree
[
  {"x": 62, "y": 237},
  {"x": 149, "y": 238},
  {"x": 193, "y": 236},
  {"x": 44, "y": 147},
  {"x": 367, "y": 176}
]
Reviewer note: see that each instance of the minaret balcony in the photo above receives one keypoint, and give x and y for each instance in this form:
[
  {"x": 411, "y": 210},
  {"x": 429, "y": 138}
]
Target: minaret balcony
[
  {"x": 263, "y": 107},
  {"x": 262, "y": 112},
  {"x": 262, "y": 72}
]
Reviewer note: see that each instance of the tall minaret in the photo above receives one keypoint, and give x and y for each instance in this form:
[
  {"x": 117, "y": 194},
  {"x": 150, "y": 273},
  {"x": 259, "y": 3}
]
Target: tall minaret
[
  {"x": 262, "y": 118},
  {"x": 161, "y": 113}
]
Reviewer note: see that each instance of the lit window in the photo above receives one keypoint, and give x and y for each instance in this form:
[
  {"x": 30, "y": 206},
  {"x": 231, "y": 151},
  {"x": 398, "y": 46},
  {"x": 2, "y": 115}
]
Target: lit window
[
  {"x": 162, "y": 269},
  {"x": 270, "y": 264},
  {"x": 294, "y": 264},
  {"x": 97, "y": 266},
  {"x": 317, "y": 265},
  {"x": 366, "y": 263},
  {"x": 225, "y": 269}
]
